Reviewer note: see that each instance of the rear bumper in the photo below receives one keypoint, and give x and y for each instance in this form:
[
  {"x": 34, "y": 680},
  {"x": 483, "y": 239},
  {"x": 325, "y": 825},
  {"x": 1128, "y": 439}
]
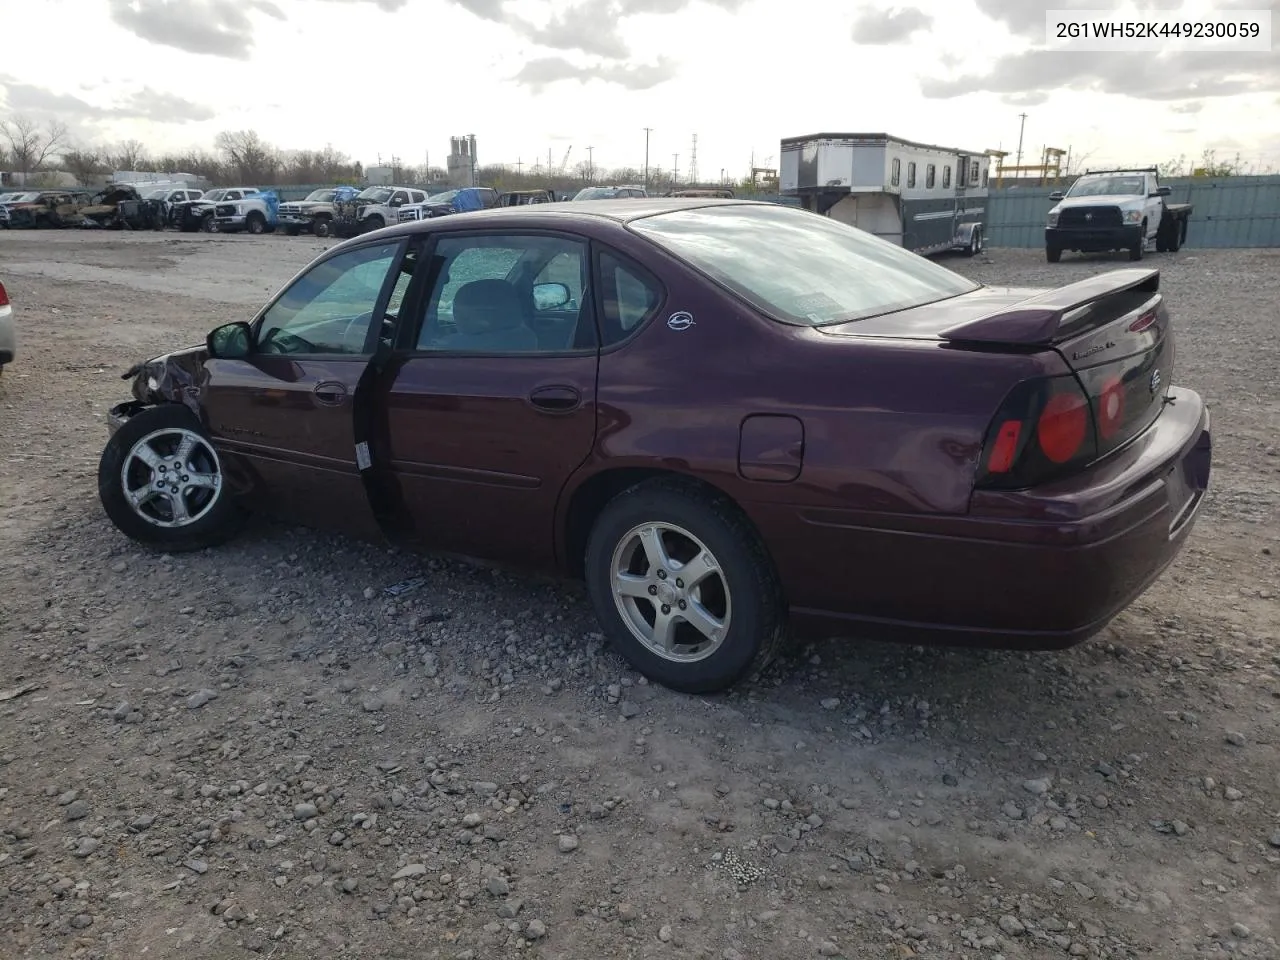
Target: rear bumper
[
  {"x": 1033, "y": 570},
  {"x": 1093, "y": 238}
]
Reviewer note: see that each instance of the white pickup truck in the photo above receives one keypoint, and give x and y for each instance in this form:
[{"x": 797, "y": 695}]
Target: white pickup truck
[{"x": 1109, "y": 210}]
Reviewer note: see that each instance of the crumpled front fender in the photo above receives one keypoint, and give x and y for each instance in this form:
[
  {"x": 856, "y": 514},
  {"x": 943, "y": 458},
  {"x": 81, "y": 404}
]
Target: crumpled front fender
[{"x": 178, "y": 377}]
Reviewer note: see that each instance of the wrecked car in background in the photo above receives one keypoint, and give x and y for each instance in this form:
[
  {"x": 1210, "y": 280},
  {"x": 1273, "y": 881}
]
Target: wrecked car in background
[
  {"x": 255, "y": 213},
  {"x": 166, "y": 200},
  {"x": 373, "y": 208},
  {"x": 193, "y": 215},
  {"x": 117, "y": 208},
  {"x": 461, "y": 200},
  {"x": 520, "y": 198},
  {"x": 44, "y": 209},
  {"x": 314, "y": 213}
]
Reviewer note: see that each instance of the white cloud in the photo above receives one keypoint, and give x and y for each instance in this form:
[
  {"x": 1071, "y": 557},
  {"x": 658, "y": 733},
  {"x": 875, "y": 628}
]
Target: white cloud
[{"x": 394, "y": 77}]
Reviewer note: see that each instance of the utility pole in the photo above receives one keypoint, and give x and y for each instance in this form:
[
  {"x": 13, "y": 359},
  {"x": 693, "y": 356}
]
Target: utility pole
[
  {"x": 1018, "y": 160},
  {"x": 693, "y": 162},
  {"x": 646, "y": 157},
  {"x": 519, "y": 167},
  {"x": 675, "y": 168},
  {"x": 591, "y": 165}
]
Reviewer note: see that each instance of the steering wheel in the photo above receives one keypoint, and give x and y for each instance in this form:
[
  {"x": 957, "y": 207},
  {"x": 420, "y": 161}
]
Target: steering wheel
[{"x": 280, "y": 342}]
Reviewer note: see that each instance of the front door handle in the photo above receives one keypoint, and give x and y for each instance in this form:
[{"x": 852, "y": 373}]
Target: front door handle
[
  {"x": 556, "y": 399},
  {"x": 331, "y": 393}
]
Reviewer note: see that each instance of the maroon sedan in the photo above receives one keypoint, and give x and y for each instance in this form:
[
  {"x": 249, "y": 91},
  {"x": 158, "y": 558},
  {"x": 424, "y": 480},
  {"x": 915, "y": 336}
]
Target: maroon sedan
[{"x": 727, "y": 417}]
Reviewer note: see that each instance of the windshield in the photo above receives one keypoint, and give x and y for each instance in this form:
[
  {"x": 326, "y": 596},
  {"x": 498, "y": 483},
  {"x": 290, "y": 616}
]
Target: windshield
[
  {"x": 595, "y": 193},
  {"x": 321, "y": 195},
  {"x": 214, "y": 195},
  {"x": 1107, "y": 187},
  {"x": 22, "y": 198},
  {"x": 156, "y": 195},
  {"x": 376, "y": 194},
  {"x": 801, "y": 267},
  {"x": 446, "y": 197}
]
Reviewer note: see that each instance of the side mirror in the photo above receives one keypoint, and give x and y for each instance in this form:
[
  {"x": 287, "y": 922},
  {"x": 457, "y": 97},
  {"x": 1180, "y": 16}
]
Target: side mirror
[
  {"x": 548, "y": 296},
  {"x": 1057, "y": 195},
  {"x": 231, "y": 341},
  {"x": 1162, "y": 191}
]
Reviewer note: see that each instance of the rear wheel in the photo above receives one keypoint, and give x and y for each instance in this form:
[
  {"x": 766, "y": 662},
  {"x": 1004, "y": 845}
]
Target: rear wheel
[
  {"x": 161, "y": 483},
  {"x": 683, "y": 587},
  {"x": 1053, "y": 254},
  {"x": 975, "y": 243}
]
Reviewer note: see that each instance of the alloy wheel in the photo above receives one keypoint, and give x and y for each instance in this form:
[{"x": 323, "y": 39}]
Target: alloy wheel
[
  {"x": 671, "y": 592},
  {"x": 171, "y": 477}
]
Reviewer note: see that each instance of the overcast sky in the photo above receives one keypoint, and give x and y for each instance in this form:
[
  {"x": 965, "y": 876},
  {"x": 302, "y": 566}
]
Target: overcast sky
[{"x": 400, "y": 76}]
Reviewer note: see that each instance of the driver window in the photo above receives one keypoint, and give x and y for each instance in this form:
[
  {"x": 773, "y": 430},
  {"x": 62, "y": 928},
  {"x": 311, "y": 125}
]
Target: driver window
[{"x": 329, "y": 308}]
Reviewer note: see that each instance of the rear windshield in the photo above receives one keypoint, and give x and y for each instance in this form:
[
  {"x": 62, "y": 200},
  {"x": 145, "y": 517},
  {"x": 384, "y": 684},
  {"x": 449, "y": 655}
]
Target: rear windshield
[{"x": 801, "y": 267}]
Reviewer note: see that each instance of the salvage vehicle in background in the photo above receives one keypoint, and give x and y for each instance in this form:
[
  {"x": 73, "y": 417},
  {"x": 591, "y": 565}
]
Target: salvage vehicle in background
[
  {"x": 928, "y": 459},
  {"x": 193, "y": 215},
  {"x": 254, "y": 213},
  {"x": 461, "y": 200},
  {"x": 45, "y": 209},
  {"x": 1108, "y": 210},
  {"x": 314, "y": 213},
  {"x": 520, "y": 198},
  {"x": 610, "y": 192},
  {"x": 165, "y": 201},
  {"x": 372, "y": 209},
  {"x": 8, "y": 330}
]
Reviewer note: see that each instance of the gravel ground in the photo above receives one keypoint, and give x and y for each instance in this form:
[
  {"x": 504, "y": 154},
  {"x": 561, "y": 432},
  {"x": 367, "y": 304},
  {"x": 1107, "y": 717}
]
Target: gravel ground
[{"x": 254, "y": 750}]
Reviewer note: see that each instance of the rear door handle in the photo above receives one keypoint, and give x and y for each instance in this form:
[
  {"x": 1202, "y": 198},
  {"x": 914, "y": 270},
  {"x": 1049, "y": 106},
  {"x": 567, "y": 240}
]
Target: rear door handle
[
  {"x": 556, "y": 399},
  {"x": 330, "y": 392}
]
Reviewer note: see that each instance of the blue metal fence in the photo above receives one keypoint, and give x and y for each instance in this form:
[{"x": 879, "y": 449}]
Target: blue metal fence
[{"x": 1228, "y": 212}]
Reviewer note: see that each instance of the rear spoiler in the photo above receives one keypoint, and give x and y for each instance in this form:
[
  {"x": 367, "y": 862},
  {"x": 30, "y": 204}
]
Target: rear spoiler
[{"x": 1036, "y": 320}]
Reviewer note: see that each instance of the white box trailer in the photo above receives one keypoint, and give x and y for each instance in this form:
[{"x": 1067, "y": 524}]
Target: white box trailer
[{"x": 926, "y": 198}]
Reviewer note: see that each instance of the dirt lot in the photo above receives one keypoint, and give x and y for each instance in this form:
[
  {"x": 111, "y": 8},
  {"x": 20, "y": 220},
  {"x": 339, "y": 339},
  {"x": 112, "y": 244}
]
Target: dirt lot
[{"x": 255, "y": 751}]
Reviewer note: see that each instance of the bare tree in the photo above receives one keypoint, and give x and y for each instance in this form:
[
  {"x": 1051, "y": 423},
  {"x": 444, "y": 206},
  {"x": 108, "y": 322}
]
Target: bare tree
[
  {"x": 255, "y": 160},
  {"x": 130, "y": 155},
  {"x": 31, "y": 146},
  {"x": 83, "y": 164}
]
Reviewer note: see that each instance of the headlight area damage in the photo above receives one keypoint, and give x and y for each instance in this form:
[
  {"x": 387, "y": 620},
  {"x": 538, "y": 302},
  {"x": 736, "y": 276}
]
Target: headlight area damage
[{"x": 177, "y": 377}]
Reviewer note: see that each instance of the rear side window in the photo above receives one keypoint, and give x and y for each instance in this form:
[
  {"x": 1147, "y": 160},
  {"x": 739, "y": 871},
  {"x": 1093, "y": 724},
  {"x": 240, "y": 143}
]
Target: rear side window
[{"x": 629, "y": 295}]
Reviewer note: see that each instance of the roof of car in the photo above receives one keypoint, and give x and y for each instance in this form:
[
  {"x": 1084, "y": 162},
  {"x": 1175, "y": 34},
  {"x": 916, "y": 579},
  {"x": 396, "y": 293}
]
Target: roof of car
[{"x": 620, "y": 210}]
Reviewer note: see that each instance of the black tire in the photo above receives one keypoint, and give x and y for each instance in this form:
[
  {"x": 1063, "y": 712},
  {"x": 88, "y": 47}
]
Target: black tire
[
  {"x": 207, "y": 225},
  {"x": 757, "y": 609},
  {"x": 255, "y": 223},
  {"x": 322, "y": 227},
  {"x": 292, "y": 231},
  {"x": 218, "y": 517},
  {"x": 1052, "y": 254},
  {"x": 975, "y": 243},
  {"x": 374, "y": 222},
  {"x": 1175, "y": 238},
  {"x": 1136, "y": 251}
]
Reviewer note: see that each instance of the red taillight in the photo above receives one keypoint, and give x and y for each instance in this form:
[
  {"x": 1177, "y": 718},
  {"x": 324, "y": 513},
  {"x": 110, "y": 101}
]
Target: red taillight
[
  {"x": 1110, "y": 407},
  {"x": 4, "y": 297},
  {"x": 1062, "y": 426},
  {"x": 1043, "y": 430},
  {"x": 1005, "y": 448}
]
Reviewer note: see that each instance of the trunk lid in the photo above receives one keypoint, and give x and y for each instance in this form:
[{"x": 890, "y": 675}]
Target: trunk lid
[{"x": 1112, "y": 330}]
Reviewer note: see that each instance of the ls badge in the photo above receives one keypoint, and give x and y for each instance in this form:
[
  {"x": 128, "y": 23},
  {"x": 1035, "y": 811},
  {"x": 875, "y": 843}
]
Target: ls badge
[{"x": 681, "y": 320}]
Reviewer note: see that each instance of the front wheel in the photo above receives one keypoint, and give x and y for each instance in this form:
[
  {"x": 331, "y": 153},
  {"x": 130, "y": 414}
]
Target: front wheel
[
  {"x": 1139, "y": 246},
  {"x": 161, "y": 482},
  {"x": 256, "y": 223},
  {"x": 1052, "y": 254},
  {"x": 683, "y": 587}
]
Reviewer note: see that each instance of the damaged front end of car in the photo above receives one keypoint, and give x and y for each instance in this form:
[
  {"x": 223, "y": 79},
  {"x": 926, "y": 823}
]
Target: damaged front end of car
[{"x": 178, "y": 377}]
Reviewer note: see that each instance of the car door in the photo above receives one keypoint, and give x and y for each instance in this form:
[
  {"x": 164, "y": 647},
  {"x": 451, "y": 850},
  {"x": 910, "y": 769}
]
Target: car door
[
  {"x": 486, "y": 419},
  {"x": 285, "y": 414},
  {"x": 1154, "y": 205}
]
